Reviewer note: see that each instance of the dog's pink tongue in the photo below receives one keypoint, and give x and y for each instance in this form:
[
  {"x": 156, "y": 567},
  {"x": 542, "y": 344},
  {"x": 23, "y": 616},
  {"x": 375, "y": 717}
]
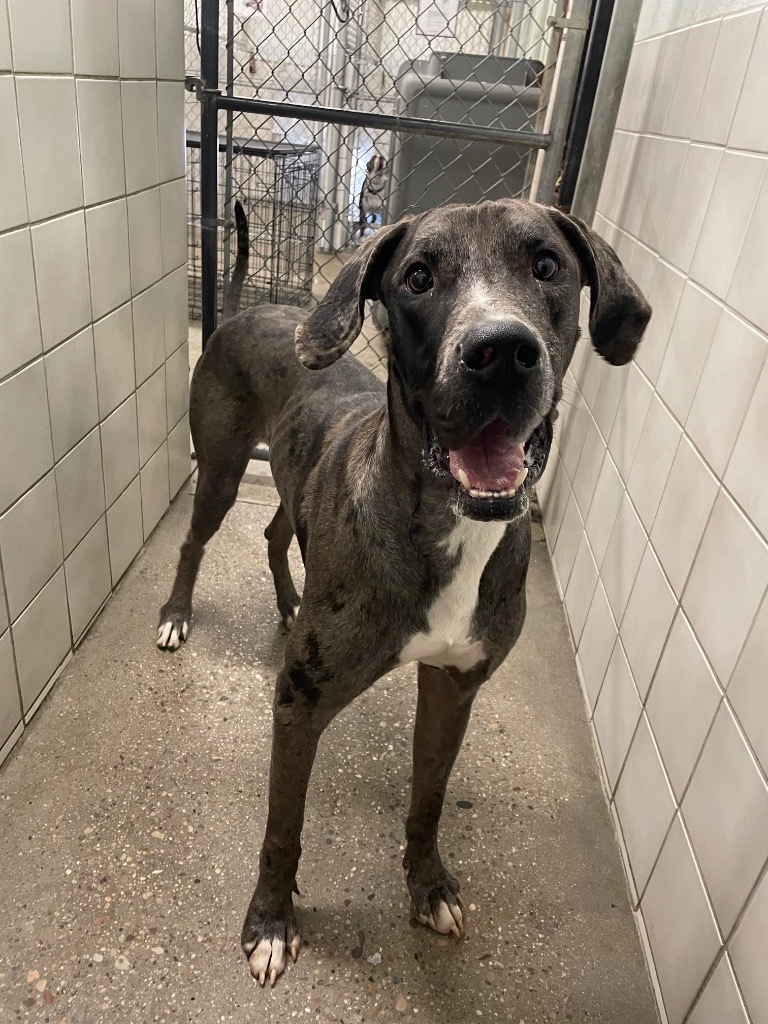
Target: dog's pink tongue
[{"x": 491, "y": 462}]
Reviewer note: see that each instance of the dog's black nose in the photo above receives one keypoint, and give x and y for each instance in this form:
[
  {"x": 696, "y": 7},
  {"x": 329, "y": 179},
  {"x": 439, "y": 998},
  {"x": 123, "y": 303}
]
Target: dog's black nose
[{"x": 500, "y": 347}]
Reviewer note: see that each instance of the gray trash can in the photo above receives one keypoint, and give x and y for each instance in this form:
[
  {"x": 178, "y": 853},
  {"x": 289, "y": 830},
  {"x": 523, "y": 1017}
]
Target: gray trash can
[{"x": 478, "y": 90}]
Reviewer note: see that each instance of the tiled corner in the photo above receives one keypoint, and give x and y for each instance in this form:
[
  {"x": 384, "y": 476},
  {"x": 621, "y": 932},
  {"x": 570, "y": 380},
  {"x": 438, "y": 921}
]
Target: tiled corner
[
  {"x": 746, "y": 690},
  {"x": 173, "y": 221},
  {"x": 596, "y": 644},
  {"x": 664, "y": 295},
  {"x": 13, "y": 198},
  {"x": 749, "y": 129},
  {"x": 47, "y": 616},
  {"x": 622, "y": 557},
  {"x": 139, "y": 100},
  {"x": 26, "y": 453},
  {"x": 115, "y": 372},
  {"x": 144, "y": 239},
  {"x": 63, "y": 290},
  {"x": 30, "y": 544},
  {"x": 42, "y": 45},
  {"x": 49, "y": 142},
  {"x": 148, "y": 332},
  {"x": 694, "y": 69},
  {"x": 169, "y": 37},
  {"x": 100, "y": 118},
  {"x": 645, "y": 803},
  {"x": 629, "y": 421},
  {"x": 107, "y": 228},
  {"x": 10, "y": 708},
  {"x": 170, "y": 128},
  {"x": 136, "y": 30},
  {"x": 18, "y": 305},
  {"x": 676, "y": 911},
  {"x": 568, "y": 540},
  {"x": 175, "y": 308},
  {"x": 689, "y": 342},
  {"x": 653, "y": 460},
  {"x": 747, "y": 485},
  {"x": 154, "y": 489},
  {"x": 726, "y": 220},
  {"x": 120, "y": 449},
  {"x": 616, "y": 714},
  {"x": 94, "y": 35},
  {"x": 688, "y": 497},
  {"x": 721, "y": 1000},
  {"x": 177, "y": 385},
  {"x": 604, "y": 508},
  {"x": 179, "y": 460},
  {"x": 88, "y": 578},
  {"x": 747, "y": 953},
  {"x": 682, "y": 703},
  {"x": 736, "y": 344},
  {"x": 647, "y": 620},
  {"x": 71, "y": 378},
  {"x": 152, "y": 405},
  {"x": 581, "y": 587},
  {"x": 124, "y": 527},
  {"x": 734, "y": 554},
  {"x": 727, "y": 797},
  {"x": 80, "y": 486},
  {"x": 726, "y": 75}
]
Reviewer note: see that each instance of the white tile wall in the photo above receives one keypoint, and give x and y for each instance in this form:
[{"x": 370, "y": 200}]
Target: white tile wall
[
  {"x": 657, "y": 511},
  {"x": 93, "y": 237}
]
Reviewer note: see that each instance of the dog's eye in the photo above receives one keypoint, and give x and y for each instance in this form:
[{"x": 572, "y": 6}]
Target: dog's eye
[
  {"x": 546, "y": 266},
  {"x": 418, "y": 279}
]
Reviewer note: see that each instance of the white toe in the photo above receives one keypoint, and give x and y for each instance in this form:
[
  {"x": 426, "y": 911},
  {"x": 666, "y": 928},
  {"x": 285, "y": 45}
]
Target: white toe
[
  {"x": 184, "y": 630},
  {"x": 294, "y": 946},
  {"x": 447, "y": 921},
  {"x": 163, "y": 634},
  {"x": 173, "y": 643},
  {"x": 268, "y": 960}
]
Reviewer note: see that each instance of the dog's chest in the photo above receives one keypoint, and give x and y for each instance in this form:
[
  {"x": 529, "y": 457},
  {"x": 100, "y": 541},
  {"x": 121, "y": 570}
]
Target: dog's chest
[{"x": 447, "y": 641}]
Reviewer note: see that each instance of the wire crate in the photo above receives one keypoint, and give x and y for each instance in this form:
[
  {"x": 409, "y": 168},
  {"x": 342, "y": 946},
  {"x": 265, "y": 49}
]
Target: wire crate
[{"x": 277, "y": 183}]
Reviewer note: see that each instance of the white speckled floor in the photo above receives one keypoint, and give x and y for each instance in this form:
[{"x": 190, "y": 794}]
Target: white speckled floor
[{"x": 131, "y": 815}]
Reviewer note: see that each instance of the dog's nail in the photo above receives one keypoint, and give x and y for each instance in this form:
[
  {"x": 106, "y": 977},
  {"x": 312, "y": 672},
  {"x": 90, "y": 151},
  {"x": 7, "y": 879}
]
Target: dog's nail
[
  {"x": 174, "y": 641},
  {"x": 184, "y": 630},
  {"x": 295, "y": 945},
  {"x": 272, "y": 977}
]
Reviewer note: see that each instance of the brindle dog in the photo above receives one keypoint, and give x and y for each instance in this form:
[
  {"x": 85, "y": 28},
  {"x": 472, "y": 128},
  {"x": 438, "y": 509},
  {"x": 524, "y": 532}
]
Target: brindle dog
[{"x": 409, "y": 500}]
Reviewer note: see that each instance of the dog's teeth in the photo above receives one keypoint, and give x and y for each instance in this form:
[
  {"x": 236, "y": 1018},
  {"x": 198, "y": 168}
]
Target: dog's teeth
[
  {"x": 464, "y": 479},
  {"x": 520, "y": 477}
]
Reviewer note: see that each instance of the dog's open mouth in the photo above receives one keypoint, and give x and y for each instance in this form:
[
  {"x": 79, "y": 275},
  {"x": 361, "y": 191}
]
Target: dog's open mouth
[{"x": 492, "y": 472}]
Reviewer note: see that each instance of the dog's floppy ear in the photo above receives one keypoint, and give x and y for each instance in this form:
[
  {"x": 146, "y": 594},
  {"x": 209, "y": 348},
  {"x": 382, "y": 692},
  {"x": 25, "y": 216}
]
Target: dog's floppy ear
[
  {"x": 336, "y": 321},
  {"x": 618, "y": 311}
]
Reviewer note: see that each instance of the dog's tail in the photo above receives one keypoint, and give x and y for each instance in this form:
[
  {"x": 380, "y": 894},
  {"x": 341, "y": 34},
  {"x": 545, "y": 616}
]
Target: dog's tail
[{"x": 241, "y": 264}]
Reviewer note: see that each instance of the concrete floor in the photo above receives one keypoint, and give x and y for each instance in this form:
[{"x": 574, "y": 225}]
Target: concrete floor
[{"x": 131, "y": 815}]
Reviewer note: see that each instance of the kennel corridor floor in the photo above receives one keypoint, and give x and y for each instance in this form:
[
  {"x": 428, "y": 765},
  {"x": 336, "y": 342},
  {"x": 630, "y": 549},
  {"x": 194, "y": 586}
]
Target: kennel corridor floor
[{"x": 131, "y": 815}]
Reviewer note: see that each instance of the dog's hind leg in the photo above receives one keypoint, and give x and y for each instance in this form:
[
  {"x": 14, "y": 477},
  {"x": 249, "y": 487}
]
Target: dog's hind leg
[
  {"x": 214, "y": 497},
  {"x": 279, "y": 535}
]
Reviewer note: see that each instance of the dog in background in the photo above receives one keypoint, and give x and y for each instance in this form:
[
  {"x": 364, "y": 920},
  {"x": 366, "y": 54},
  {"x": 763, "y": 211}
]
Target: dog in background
[{"x": 372, "y": 194}]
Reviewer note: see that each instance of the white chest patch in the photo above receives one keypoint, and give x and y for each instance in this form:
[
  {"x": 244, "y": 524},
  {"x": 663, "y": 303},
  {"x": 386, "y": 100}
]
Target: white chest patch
[{"x": 447, "y": 641}]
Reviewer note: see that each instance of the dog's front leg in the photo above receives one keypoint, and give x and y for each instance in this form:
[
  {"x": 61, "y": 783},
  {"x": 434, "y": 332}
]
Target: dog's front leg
[
  {"x": 270, "y": 931},
  {"x": 442, "y": 714}
]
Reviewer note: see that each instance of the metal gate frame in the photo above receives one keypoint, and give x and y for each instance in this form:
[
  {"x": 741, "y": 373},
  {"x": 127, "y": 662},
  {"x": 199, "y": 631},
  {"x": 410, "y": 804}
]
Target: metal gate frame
[{"x": 566, "y": 47}]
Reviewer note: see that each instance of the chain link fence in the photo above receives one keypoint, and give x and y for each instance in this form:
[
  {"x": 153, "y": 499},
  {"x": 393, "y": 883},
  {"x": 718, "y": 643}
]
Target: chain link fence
[{"x": 476, "y": 78}]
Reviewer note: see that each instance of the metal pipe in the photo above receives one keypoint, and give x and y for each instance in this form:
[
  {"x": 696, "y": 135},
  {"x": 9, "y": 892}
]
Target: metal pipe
[
  {"x": 602, "y": 14},
  {"x": 209, "y": 150},
  {"x": 618, "y": 51},
  {"x": 230, "y": 86},
  {"x": 388, "y": 122},
  {"x": 562, "y": 99}
]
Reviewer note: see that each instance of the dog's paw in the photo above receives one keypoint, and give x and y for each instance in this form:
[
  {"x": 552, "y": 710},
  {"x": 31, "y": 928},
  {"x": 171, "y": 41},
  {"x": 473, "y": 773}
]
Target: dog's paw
[
  {"x": 435, "y": 898},
  {"x": 289, "y": 620},
  {"x": 443, "y": 912},
  {"x": 172, "y": 631},
  {"x": 267, "y": 941}
]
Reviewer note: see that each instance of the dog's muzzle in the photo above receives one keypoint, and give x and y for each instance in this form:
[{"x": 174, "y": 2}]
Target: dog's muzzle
[{"x": 490, "y": 476}]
